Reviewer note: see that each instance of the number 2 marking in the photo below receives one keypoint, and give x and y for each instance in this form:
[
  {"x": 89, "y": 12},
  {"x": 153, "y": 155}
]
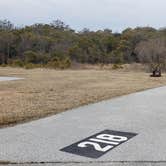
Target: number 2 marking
[{"x": 96, "y": 146}]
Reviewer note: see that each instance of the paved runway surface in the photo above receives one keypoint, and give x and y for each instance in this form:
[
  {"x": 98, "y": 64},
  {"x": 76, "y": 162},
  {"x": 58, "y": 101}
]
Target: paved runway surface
[
  {"x": 9, "y": 78},
  {"x": 144, "y": 113}
]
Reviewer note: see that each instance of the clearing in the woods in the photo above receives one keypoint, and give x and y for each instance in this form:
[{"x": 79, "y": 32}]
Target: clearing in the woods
[{"x": 45, "y": 92}]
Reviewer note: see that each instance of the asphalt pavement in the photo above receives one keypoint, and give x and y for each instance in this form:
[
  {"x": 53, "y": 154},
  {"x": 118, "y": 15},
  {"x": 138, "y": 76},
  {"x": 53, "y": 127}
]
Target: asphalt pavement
[
  {"x": 9, "y": 78},
  {"x": 128, "y": 130}
]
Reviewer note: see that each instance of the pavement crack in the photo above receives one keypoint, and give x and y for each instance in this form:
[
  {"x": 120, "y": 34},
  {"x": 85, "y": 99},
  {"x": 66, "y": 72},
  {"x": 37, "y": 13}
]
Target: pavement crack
[{"x": 80, "y": 162}]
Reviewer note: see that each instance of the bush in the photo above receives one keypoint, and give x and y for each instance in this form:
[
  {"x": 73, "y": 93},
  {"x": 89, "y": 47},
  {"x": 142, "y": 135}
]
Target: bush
[
  {"x": 32, "y": 66},
  {"x": 30, "y": 57},
  {"x": 3, "y": 65},
  {"x": 38, "y": 59},
  {"x": 53, "y": 64},
  {"x": 29, "y": 66},
  {"x": 66, "y": 63},
  {"x": 116, "y": 57},
  {"x": 117, "y": 66},
  {"x": 59, "y": 63},
  {"x": 17, "y": 63}
]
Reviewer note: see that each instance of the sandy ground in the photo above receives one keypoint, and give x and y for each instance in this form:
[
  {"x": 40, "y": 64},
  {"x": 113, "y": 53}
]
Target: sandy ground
[{"x": 45, "y": 92}]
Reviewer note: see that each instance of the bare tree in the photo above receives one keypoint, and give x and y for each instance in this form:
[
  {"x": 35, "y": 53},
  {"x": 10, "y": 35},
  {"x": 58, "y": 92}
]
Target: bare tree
[
  {"x": 153, "y": 53},
  {"x": 58, "y": 24},
  {"x": 6, "y": 25}
]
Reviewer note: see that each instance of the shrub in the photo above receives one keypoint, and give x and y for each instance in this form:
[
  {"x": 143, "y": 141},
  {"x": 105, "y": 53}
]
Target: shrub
[
  {"x": 116, "y": 57},
  {"x": 36, "y": 58},
  {"x": 117, "y": 66},
  {"x": 66, "y": 63},
  {"x": 53, "y": 63},
  {"x": 30, "y": 57},
  {"x": 59, "y": 63},
  {"x": 29, "y": 66},
  {"x": 3, "y": 65},
  {"x": 17, "y": 63},
  {"x": 32, "y": 66}
]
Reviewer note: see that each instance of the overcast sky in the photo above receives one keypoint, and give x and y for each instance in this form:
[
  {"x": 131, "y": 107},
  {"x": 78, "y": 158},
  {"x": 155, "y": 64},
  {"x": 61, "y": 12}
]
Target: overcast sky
[{"x": 93, "y": 14}]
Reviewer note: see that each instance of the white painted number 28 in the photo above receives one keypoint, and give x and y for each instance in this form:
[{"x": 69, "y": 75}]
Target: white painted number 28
[{"x": 110, "y": 140}]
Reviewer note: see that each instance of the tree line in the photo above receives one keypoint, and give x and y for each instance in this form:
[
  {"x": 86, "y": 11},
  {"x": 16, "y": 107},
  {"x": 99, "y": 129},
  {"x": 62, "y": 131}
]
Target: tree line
[{"x": 57, "y": 45}]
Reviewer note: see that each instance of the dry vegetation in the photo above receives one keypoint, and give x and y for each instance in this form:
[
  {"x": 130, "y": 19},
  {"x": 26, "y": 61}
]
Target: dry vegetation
[{"x": 45, "y": 92}]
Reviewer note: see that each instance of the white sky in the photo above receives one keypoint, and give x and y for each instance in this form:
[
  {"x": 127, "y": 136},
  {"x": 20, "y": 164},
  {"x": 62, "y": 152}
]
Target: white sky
[{"x": 93, "y": 14}]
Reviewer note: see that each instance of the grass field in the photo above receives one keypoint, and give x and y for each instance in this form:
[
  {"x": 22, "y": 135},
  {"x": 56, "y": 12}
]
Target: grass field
[{"x": 45, "y": 92}]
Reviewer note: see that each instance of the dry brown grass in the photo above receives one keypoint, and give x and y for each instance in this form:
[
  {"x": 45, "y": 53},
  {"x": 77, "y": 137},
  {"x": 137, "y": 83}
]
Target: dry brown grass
[{"x": 45, "y": 92}]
